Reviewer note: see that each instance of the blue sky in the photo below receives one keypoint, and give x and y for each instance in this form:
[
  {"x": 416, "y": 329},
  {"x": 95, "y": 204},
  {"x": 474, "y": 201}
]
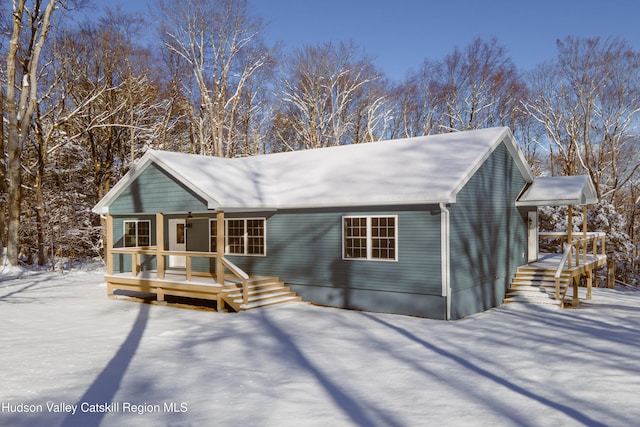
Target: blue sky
[{"x": 400, "y": 34}]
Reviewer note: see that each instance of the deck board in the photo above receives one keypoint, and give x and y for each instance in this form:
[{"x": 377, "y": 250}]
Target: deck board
[{"x": 552, "y": 261}]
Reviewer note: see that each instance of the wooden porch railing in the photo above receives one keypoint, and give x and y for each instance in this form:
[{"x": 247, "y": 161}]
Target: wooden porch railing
[
  {"x": 580, "y": 242},
  {"x": 241, "y": 275},
  {"x": 565, "y": 257},
  {"x": 577, "y": 244},
  {"x": 136, "y": 254}
]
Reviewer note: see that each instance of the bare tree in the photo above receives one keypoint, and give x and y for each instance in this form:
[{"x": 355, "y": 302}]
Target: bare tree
[
  {"x": 220, "y": 41},
  {"x": 472, "y": 88},
  {"x": 110, "y": 90},
  {"x": 95, "y": 106},
  {"x": 588, "y": 103},
  {"x": 3, "y": 170},
  {"x": 21, "y": 96},
  {"x": 478, "y": 85},
  {"x": 417, "y": 102},
  {"x": 330, "y": 96}
]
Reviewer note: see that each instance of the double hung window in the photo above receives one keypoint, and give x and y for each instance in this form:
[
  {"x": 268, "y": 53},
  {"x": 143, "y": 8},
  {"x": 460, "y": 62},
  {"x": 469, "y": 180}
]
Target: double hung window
[
  {"x": 244, "y": 236},
  {"x": 137, "y": 233},
  {"x": 370, "y": 237}
]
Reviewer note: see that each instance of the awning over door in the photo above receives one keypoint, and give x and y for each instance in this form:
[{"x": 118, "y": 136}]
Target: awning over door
[{"x": 559, "y": 191}]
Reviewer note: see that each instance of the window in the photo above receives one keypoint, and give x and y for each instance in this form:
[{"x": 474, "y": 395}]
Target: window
[
  {"x": 255, "y": 237},
  {"x": 137, "y": 233},
  {"x": 370, "y": 237},
  {"x": 213, "y": 236},
  {"x": 235, "y": 236},
  {"x": 242, "y": 236}
]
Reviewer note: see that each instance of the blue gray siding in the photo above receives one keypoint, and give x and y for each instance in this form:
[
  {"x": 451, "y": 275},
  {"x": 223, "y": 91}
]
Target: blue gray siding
[
  {"x": 156, "y": 191},
  {"x": 304, "y": 249},
  {"x": 488, "y": 235}
]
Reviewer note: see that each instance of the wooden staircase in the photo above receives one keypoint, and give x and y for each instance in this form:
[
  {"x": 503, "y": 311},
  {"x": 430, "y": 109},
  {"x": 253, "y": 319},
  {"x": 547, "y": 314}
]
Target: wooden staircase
[
  {"x": 263, "y": 291},
  {"x": 533, "y": 285}
]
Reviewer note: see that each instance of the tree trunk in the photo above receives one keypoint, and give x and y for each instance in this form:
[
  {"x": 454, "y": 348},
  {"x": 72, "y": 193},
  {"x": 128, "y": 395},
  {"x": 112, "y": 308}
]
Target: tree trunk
[
  {"x": 40, "y": 214},
  {"x": 14, "y": 196},
  {"x": 20, "y": 109},
  {"x": 3, "y": 183}
]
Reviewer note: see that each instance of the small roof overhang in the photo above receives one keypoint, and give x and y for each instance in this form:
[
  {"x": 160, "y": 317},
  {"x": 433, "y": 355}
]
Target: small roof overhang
[{"x": 559, "y": 191}]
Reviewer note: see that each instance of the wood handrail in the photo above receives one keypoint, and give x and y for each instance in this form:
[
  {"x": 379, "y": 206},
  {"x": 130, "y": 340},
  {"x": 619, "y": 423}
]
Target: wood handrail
[
  {"x": 567, "y": 252},
  {"x": 148, "y": 250},
  {"x": 153, "y": 250},
  {"x": 580, "y": 242},
  {"x": 239, "y": 273}
]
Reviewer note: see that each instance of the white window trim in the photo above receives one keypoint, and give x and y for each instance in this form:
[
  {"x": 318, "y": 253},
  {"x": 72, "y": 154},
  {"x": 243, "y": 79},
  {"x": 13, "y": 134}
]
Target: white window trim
[
  {"x": 124, "y": 232},
  {"x": 245, "y": 236},
  {"x": 370, "y": 239}
]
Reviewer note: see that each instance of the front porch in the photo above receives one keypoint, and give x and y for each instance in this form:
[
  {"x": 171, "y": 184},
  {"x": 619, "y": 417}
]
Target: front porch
[
  {"x": 548, "y": 279},
  {"x": 199, "y": 275}
]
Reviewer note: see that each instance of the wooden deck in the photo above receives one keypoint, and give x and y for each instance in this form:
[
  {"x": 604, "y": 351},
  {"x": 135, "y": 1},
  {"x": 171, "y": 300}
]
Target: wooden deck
[
  {"x": 262, "y": 290},
  {"x": 547, "y": 280},
  {"x": 236, "y": 290},
  {"x": 552, "y": 262}
]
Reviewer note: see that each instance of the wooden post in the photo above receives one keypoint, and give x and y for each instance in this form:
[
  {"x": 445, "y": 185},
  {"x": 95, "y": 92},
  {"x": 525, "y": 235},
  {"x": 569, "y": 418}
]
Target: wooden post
[
  {"x": 160, "y": 296},
  {"x": 220, "y": 247},
  {"x": 589, "y": 282},
  {"x": 611, "y": 274},
  {"x": 108, "y": 247},
  {"x": 160, "y": 263},
  {"x": 135, "y": 261},
  {"x": 570, "y": 224},
  {"x": 220, "y": 304},
  {"x": 575, "y": 301},
  {"x": 584, "y": 233}
]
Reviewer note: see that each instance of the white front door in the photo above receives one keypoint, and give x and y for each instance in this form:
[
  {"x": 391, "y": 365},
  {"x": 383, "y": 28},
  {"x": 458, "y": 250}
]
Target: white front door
[
  {"x": 533, "y": 236},
  {"x": 177, "y": 242}
]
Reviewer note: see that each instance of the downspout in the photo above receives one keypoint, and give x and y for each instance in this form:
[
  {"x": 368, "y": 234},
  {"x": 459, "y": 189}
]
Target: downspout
[{"x": 444, "y": 257}]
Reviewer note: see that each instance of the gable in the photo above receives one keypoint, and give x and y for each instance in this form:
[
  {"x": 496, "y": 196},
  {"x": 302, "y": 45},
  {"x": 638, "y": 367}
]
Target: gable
[
  {"x": 422, "y": 170},
  {"x": 154, "y": 190}
]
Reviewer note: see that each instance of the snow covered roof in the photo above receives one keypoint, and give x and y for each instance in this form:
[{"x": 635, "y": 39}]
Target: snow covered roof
[
  {"x": 559, "y": 190},
  {"x": 427, "y": 169}
]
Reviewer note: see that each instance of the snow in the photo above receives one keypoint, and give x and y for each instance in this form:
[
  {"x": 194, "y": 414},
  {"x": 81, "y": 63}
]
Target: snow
[
  {"x": 559, "y": 190},
  {"x": 64, "y": 343},
  {"x": 426, "y": 169}
]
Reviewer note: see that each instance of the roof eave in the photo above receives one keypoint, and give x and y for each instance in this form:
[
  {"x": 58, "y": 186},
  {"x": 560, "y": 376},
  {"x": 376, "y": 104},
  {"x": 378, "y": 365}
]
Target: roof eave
[
  {"x": 348, "y": 204},
  {"x": 557, "y": 202}
]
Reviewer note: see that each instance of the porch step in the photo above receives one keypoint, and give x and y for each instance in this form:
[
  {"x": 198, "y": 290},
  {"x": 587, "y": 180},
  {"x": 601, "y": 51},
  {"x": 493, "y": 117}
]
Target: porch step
[
  {"x": 536, "y": 286},
  {"x": 263, "y": 292},
  {"x": 529, "y": 300}
]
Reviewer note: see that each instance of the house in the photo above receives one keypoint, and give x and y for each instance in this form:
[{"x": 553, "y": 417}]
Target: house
[{"x": 434, "y": 226}]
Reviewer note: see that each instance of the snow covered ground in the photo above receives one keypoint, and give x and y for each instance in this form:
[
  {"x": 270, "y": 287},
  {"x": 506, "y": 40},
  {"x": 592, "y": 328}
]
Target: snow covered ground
[{"x": 65, "y": 346}]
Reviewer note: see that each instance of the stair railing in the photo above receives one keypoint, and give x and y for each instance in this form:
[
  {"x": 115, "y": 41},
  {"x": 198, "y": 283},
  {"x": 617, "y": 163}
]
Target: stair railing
[
  {"x": 240, "y": 274},
  {"x": 566, "y": 256}
]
